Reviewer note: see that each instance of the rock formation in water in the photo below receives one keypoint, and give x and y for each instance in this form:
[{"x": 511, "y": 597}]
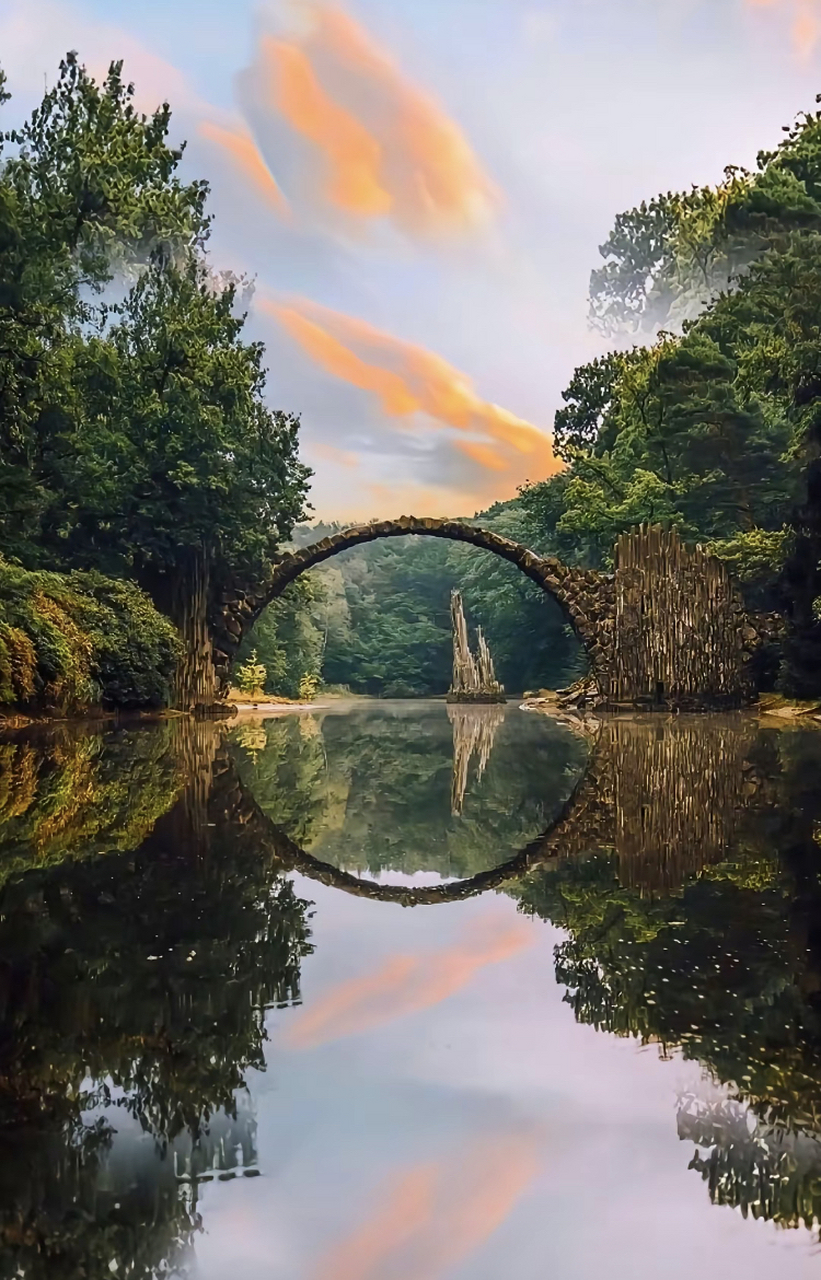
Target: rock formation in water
[{"x": 474, "y": 679}]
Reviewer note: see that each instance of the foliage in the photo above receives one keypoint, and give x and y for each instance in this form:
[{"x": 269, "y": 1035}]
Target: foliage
[
  {"x": 73, "y": 795},
  {"x": 756, "y": 557},
  {"x": 138, "y": 983},
  {"x": 725, "y": 967},
  {"x": 251, "y": 675},
  {"x": 289, "y": 637},
  {"x": 135, "y": 438},
  {"x": 376, "y": 619},
  {"x": 682, "y": 439},
  {"x": 175, "y": 449},
  {"x": 370, "y": 791},
  {"x": 72, "y": 641},
  {"x": 666, "y": 259},
  {"x": 308, "y": 688},
  {"x": 90, "y": 184}
]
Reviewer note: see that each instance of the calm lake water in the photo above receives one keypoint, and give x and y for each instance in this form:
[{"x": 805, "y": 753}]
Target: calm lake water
[{"x": 410, "y": 992}]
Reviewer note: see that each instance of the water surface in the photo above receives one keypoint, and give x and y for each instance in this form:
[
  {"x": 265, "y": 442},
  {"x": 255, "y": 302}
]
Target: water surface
[{"x": 226, "y": 1052}]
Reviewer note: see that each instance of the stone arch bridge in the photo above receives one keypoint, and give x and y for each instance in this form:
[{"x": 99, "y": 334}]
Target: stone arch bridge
[{"x": 667, "y": 628}]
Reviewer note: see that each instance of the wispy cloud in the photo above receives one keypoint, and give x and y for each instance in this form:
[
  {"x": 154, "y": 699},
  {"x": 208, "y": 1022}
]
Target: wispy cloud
[
  {"x": 375, "y": 145},
  {"x": 413, "y": 385},
  {"x": 405, "y": 984},
  {"x": 804, "y": 17},
  {"x": 435, "y": 1215},
  {"x": 243, "y": 154}
]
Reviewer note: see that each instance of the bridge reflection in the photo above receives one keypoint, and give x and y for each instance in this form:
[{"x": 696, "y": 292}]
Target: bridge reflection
[{"x": 665, "y": 796}]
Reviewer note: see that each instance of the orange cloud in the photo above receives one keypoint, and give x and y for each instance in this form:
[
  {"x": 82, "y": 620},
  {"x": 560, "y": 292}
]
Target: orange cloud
[
  {"x": 335, "y": 358},
  {"x": 388, "y": 149},
  {"x": 805, "y": 21},
  {"x": 353, "y": 156},
  {"x": 244, "y": 154},
  {"x": 329, "y": 453},
  {"x": 435, "y": 1215},
  {"x": 404, "y": 984},
  {"x": 408, "y": 380}
]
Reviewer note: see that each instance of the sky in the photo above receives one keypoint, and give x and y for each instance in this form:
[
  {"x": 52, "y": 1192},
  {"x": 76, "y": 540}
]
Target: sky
[{"x": 418, "y": 191}]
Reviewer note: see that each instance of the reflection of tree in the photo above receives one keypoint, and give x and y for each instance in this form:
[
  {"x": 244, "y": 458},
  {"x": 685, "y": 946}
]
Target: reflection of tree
[
  {"x": 474, "y": 730},
  {"x": 136, "y": 983},
  {"x": 765, "y": 1170},
  {"x": 70, "y": 793},
  {"x": 373, "y": 791},
  {"x": 727, "y": 964}
]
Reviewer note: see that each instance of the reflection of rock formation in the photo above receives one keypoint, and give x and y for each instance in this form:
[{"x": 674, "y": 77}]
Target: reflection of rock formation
[
  {"x": 678, "y": 789},
  {"x": 764, "y": 1170},
  {"x": 666, "y": 796},
  {"x": 474, "y": 679},
  {"x": 474, "y": 730},
  {"x": 723, "y": 966}
]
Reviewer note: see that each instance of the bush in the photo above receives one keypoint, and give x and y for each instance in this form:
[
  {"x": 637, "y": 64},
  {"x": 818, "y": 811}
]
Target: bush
[
  {"x": 251, "y": 677},
  {"x": 73, "y": 641},
  {"x": 308, "y": 687}
]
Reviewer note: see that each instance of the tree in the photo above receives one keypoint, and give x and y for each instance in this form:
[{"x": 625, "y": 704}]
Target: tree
[
  {"x": 90, "y": 188},
  {"x": 178, "y": 472},
  {"x": 676, "y": 432},
  {"x": 139, "y": 984},
  {"x": 251, "y": 675},
  {"x": 665, "y": 260},
  {"x": 290, "y": 636},
  {"x": 773, "y": 321},
  {"x": 137, "y": 437}
]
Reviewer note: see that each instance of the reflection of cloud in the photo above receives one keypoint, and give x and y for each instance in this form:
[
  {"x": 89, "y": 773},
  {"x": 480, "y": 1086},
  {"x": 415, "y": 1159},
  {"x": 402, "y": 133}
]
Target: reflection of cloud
[
  {"x": 377, "y": 145},
  {"x": 805, "y": 16},
  {"x": 242, "y": 152},
  {"x": 436, "y": 1214},
  {"x": 408, "y": 380},
  {"x": 404, "y": 984}
]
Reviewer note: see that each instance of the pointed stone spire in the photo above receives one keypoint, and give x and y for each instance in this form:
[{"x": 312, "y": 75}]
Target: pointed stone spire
[{"x": 474, "y": 679}]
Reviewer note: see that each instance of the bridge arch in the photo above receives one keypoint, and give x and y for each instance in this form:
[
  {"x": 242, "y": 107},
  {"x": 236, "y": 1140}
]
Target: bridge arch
[{"x": 585, "y": 596}]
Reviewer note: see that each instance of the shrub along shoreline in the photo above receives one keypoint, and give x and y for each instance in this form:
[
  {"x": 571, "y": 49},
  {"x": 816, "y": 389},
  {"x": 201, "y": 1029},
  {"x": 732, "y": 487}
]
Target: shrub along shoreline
[{"x": 72, "y": 644}]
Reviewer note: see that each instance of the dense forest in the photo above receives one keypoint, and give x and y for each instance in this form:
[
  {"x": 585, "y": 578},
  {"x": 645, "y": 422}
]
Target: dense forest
[
  {"x": 139, "y": 446},
  {"x": 376, "y": 619}
]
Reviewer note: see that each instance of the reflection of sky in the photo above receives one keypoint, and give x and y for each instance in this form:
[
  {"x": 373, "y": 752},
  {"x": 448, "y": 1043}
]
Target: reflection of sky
[
  {"x": 484, "y": 1136},
  {"x": 575, "y": 110}
]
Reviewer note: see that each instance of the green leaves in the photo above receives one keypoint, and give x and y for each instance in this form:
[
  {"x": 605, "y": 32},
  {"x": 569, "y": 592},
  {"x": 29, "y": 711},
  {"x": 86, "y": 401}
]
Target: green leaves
[
  {"x": 72, "y": 641},
  {"x": 177, "y": 448},
  {"x": 665, "y": 260}
]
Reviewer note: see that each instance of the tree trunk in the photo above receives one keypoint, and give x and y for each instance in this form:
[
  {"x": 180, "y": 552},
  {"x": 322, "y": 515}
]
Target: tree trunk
[
  {"x": 801, "y": 583},
  {"x": 183, "y": 595}
]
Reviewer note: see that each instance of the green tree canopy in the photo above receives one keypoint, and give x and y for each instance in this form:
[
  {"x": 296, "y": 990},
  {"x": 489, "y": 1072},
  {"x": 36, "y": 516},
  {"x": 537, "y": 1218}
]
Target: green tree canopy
[{"x": 136, "y": 434}]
